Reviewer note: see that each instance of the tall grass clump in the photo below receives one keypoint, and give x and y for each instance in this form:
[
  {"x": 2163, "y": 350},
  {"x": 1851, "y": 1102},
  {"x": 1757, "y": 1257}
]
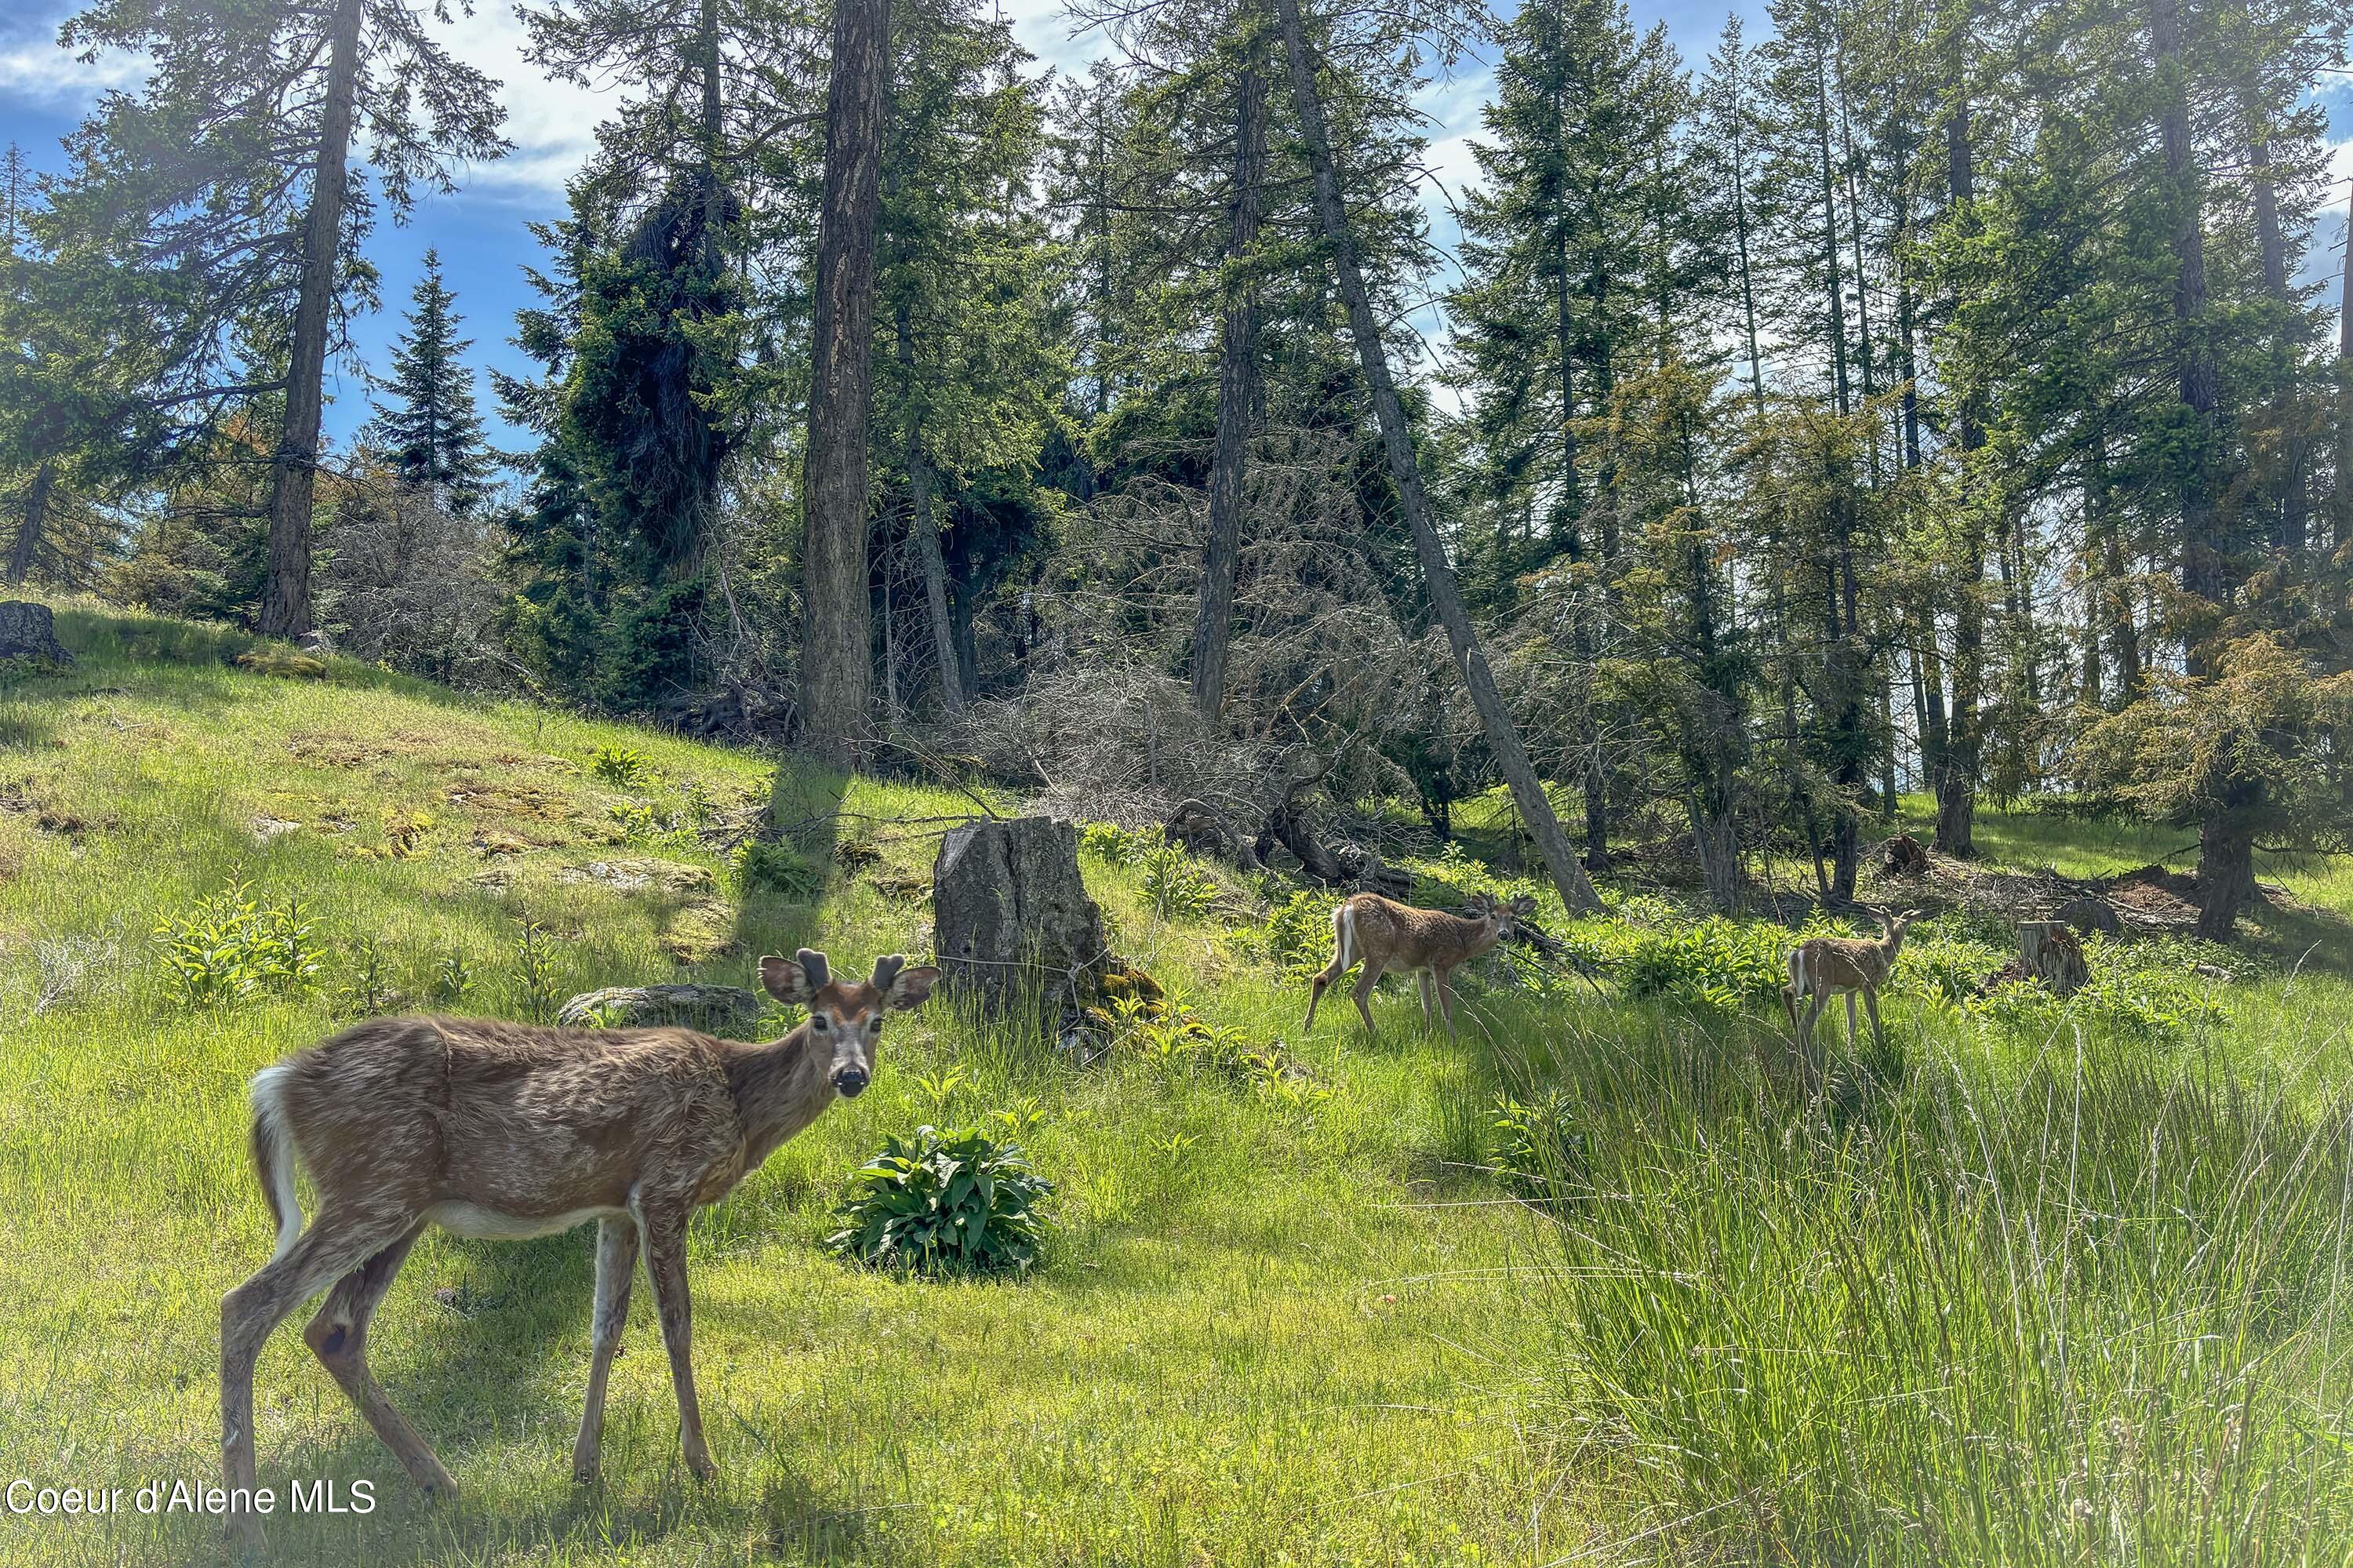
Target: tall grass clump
[{"x": 2085, "y": 1313}]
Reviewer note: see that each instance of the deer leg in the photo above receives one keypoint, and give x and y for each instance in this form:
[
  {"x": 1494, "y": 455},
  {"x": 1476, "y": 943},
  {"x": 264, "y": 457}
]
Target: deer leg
[
  {"x": 1849, "y": 1020},
  {"x": 1369, "y": 978},
  {"x": 617, "y": 1260},
  {"x": 337, "y": 1337},
  {"x": 1807, "y": 1051},
  {"x": 1871, "y": 1006},
  {"x": 1424, "y": 982},
  {"x": 1443, "y": 984},
  {"x": 665, "y": 1242},
  {"x": 335, "y": 1244}
]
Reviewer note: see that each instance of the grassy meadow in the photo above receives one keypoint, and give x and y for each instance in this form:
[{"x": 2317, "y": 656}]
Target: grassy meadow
[{"x": 2043, "y": 1283}]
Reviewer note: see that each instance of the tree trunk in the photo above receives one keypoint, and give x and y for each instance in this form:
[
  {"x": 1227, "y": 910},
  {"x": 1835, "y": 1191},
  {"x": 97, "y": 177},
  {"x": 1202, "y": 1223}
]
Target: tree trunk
[
  {"x": 2342, "y": 500},
  {"x": 1237, "y": 368},
  {"x": 923, "y": 530},
  {"x": 286, "y": 594},
  {"x": 2047, "y": 951},
  {"x": 2226, "y": 873},
  {"x": 34, "y": 523},
  {"x": 2202, "y": 558},
  {"x": 1502, "y": 735},
  {"x": 1956, "y": 778},
  {"x": 836, "y": 677},
  {"x": 2294, "y": 497}
]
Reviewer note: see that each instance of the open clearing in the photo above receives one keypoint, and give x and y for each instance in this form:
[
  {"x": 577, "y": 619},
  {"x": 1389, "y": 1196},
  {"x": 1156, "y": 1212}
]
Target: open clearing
[{"x": 2062, "y": 1284}]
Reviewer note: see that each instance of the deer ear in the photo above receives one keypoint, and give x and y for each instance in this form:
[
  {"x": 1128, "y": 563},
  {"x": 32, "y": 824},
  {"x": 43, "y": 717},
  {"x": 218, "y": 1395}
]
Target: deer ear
[
  {"x": 785, "y": 981},
  {"x": 1524, "y": 906},
  {"x": 911, "y": 989}
]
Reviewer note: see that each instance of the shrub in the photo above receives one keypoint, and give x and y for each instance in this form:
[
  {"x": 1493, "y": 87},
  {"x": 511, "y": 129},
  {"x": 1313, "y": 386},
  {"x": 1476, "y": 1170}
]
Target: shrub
[
  {"x": 1175, "y": 882},
  {"x": 778, "y": 867},
  {"x": 230, "y": 947},
  {"x": 1715, "y": 962},
  {"x": 961, "y": 1202},
  {"x": 620, "y": 765},
  {"x": 1107, "y": 842},
  {"x": 1298, "y": 935},
  {"x": 1539, "y": 1148},
  {"x": 2147, "y": 1007}
]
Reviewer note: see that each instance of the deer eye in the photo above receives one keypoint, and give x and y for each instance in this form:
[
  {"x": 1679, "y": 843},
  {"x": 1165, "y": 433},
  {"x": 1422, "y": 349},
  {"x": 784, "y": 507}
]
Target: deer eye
[{"x": 818, "y": 1022}]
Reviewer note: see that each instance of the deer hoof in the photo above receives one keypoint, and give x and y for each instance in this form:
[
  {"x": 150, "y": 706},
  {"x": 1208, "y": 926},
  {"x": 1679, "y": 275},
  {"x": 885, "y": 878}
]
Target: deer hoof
[{"x": 701, "y": 1465}]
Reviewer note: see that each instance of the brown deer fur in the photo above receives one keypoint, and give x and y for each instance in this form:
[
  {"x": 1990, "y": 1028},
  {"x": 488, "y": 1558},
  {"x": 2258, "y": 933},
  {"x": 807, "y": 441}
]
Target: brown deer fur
[
  {"x": 1825, "y": 966},
  {"x": 507, "y": 1131},
  {"x": 1390, "y": 935}
]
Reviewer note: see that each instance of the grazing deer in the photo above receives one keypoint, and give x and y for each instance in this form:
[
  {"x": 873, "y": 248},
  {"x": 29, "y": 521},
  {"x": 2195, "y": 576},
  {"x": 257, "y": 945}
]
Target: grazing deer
[
  {"x": 1825, "y": 966},
  {"x": 1430, "y": 942},
  {"x": 508, "y": 1131}
]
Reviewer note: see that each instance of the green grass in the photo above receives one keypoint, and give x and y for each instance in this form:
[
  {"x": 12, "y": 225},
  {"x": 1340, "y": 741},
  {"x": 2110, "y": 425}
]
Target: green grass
[{"x": 1264, "y": 1329}]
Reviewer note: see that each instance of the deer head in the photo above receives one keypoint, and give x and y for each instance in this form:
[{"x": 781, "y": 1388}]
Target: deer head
[
  {"x": 845, "y": 1019},
  {"x": 1894, "y": 925},
  {"x": 1486, "y": 907}
]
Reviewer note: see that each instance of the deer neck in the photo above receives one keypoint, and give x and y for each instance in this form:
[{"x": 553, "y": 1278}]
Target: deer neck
[{"x": 779, "y": 1088}]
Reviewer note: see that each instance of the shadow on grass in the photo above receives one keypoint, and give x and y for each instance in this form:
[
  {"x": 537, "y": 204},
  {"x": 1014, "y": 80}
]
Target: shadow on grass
[{"x": 803, "y": 816}]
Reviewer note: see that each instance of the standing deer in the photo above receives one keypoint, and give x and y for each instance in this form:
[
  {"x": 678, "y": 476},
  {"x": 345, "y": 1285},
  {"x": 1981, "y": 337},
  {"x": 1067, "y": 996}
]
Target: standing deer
[
  {"x": 1430, "y": 942},
  {"x": 1825, "y": 966},
  {"x": 509, "y": 1131}
]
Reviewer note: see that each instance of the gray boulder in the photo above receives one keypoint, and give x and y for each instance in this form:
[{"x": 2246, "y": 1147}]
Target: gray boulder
[
  {"x": 723, "y": 1010},
  {"x": 1012, "y": 922},
  {"x": 28, "y": 630}
]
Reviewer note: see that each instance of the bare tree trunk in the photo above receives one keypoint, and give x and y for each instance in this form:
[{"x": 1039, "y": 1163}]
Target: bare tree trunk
[
  {"x": 1956, "y": 778},
  {"x": 2342, "y": 500},
  {"x": 1502, "y": 735},
  {"x": 2294, "y": 496},
  {"x": 34, "y": 521},
  {"x": 837, "y": 679},
  {"x": 1237, "y": 370},
  {"x": 286, "y": 594}
]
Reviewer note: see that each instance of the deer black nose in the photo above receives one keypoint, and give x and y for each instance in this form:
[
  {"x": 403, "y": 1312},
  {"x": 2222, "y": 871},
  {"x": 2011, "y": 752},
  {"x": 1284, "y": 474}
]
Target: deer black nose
[{"x": 851, "y": 1081}]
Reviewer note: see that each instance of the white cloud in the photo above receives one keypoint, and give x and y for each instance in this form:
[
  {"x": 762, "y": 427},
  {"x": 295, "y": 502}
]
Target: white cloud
[
  {"x": 553, "y": 124},
  {"x": 34, "y": 70}
]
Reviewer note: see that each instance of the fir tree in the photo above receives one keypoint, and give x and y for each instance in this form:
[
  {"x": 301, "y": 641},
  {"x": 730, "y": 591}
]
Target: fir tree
[{"x": 430, "y": 432}]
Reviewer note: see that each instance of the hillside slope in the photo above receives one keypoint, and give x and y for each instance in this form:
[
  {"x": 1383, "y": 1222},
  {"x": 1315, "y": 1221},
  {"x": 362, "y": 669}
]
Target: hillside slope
[{"x": 1296, "y": 1322}]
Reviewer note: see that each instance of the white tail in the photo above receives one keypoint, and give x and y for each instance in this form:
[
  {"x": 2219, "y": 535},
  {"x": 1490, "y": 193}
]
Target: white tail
[
  {"x": 273, "y": 1155},
  {"x": 1344, "y": 936}
]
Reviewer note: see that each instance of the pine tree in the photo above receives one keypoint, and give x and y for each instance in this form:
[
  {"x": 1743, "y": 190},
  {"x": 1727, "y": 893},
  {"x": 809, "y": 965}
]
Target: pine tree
[{"x": 430, "y": 433}]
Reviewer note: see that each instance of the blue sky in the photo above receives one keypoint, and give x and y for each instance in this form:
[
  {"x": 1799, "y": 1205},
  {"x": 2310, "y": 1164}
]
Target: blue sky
[{"x": 480, "y": 231}]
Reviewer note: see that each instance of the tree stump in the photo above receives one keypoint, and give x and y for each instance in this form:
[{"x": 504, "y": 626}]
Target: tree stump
[
  {"x": 1906, "y": 856},
  {"x": 28, "y": 630},
  {"x": 725, "y": 1010},
  {"x": 2047, "y": 951},
  {"x": 1012, "y": 922}
]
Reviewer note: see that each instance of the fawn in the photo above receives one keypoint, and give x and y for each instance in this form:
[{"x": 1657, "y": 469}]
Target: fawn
[
  {"x": 509, "y": 1131},
  {"x": 1430, "y": 942},
  {"x": 1825, "y": 966}
]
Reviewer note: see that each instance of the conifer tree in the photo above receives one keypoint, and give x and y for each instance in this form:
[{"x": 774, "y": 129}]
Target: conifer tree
[{"x": 430, "y": 433}]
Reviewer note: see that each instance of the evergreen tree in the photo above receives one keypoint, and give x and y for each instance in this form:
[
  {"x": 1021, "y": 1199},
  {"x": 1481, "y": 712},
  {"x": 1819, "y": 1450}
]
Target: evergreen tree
[{"x": 432, "y": 435}]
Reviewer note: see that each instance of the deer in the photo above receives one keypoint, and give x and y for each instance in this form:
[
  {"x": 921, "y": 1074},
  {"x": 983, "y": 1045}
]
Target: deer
[
  {"x": 1825, "y": 966},
  {"x": 1385, "y": 935},
  {"x": 509, "y": 1131}
]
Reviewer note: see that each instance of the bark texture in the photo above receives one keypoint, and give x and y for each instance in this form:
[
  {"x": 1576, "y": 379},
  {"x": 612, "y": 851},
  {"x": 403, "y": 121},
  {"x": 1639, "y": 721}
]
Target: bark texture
[
  {"x": 286, "y": 596},
  {"x": 836, "y": 678}
]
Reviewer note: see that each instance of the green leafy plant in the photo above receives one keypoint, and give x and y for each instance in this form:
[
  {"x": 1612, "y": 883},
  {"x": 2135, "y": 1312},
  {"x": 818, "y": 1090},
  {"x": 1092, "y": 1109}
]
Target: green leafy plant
[
  {"x": 535, "y": 977},
  {"x": 1107, "y": 842},
  {"x": 1715, "y": 962},
  {"x": 230, "y": 947},
  {"x": 1539, "y": 1147},
  {"x": 451, "y": 979},
  {"x": 620, "y": 765},
  {"x": 1175, "y": 882},
  {"x": 367, "y": 988},
  {"x": 962, "y": 1202},
  {"x": 778, "y": 868},
  {"x": 1298, "y": 934}
]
